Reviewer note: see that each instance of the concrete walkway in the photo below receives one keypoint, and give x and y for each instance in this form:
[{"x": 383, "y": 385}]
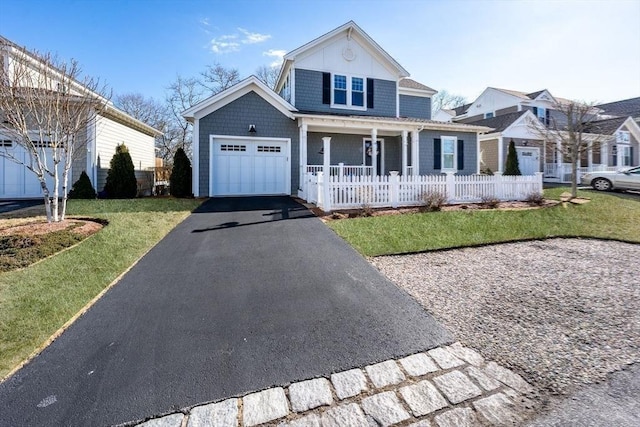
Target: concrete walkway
[{"x": 244, "y": 295}]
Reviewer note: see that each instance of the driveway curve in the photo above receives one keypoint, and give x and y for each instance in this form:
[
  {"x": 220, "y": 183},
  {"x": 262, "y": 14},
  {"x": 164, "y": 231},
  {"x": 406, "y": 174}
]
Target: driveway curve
[{"x": 245, "y": 294}]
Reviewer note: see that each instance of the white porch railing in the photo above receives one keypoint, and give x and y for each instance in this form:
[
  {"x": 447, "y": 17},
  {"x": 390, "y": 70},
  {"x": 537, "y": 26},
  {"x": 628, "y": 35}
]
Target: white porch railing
[
  {"x": 344, "y": 192},
  {"x": 341, "y": 169},
  {"x": 561, "y": 172}
]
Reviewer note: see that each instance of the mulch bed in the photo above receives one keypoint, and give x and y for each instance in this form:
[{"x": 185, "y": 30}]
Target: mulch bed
[
  {"x": 24, "y": 244},
  {"x": 362, "y": 212}
]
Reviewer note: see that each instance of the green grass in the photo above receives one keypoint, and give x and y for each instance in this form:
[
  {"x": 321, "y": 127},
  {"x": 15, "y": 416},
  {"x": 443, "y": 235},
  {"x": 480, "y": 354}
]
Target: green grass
[
  {"x": 36, "y": 301},
  {"x": 608, "y": 215}
]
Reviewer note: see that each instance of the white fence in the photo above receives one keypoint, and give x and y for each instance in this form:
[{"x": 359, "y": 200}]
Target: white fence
[{"x": 345, "y": 192}]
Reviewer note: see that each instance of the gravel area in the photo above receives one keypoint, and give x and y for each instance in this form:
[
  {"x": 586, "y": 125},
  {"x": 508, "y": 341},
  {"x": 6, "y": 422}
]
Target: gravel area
[{"x": 560, "y": 312}]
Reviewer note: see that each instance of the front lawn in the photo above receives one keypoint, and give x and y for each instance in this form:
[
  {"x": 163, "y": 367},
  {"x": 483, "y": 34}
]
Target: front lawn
[
  {"x": 611, "y": 216},
  {"x": 36, "y": 301}
]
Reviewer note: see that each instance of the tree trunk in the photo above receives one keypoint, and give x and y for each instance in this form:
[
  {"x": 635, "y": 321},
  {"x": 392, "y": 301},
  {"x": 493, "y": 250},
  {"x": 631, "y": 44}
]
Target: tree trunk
[
  {"x": 65, "y": 181},
  {"x": 47, "y": 201},
  {"x": 54, "y": 202},
  {"x": 574, "y": 173}
]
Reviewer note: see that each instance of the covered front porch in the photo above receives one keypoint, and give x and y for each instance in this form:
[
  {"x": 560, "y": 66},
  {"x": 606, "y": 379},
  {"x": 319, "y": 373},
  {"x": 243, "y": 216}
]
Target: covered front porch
[{"x": 350, "y": 147}]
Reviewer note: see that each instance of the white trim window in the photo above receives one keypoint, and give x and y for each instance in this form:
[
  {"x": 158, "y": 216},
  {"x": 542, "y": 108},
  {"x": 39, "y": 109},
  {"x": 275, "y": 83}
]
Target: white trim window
[
  {"x": 286, "y": 89},
  {"x": 449, "y": 153},
  {"x": 488, "y": 115},
  {"x": 625, "y": 155},
  {"x": 623, "y": 137},
  {"x": 348, "y": 92}
]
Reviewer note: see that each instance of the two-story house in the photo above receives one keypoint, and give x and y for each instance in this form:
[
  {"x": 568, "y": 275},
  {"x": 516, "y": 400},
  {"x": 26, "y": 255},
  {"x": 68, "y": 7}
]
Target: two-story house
[
  {"x": 251, "y": 140},
  {"x": 523, "y": 117}
]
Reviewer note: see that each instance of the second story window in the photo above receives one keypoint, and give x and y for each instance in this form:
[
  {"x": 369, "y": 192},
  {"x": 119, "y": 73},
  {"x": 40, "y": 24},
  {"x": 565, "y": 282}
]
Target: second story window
[
  {"x": 340, "y": 89},
  {"x": 488, "y": 115},
  {"x": 357, "y": 91}
]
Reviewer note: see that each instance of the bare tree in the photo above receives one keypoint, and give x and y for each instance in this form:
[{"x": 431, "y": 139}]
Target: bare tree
[
  {"x": 268, "y": 75},
  {"x": 217, "y": 78},
  {"x": 182, "y": 94},
  {"x": 45, "y": 108},
  {"x": 572, "y": 135},
  {"x": 446, "y": 100}
]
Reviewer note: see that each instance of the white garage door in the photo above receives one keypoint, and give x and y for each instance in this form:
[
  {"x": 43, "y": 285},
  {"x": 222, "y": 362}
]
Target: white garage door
[
  {"x": 249, "y": 167},
  {"x": 16, "y": 182}
]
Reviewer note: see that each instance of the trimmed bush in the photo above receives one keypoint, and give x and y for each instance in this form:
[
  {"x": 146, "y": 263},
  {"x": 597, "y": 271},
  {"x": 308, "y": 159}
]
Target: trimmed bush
[
  {"x": 121, "y": 179},
  {"x": 432, "y": 201},
  {"x": 180, "y": 181},
  {"x": 82, "y": 188},
  {"x": 513, "y": 166}
]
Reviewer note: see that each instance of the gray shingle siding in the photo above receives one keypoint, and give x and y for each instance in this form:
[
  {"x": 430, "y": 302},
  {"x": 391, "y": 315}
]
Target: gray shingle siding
[
  {"x": 426, "y": 151},
  {"x": 308, "y": 87},
  {"x": 234, "y": 119},
  {"x": 417, "y": 107}
]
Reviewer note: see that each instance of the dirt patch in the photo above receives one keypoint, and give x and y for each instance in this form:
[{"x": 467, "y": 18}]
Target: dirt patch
[
  {"x": 83, "y": 227},
  {"x": 24, "y": 244},
  {"x": 367, "y": 211}
]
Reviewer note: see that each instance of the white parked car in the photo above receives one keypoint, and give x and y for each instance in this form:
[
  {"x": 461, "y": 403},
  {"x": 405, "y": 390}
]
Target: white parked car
[{"x": 625, "y": 179}]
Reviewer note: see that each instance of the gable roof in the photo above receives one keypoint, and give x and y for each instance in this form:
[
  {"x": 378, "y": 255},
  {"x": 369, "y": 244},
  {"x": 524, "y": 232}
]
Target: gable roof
[
  {"x": 499, "y": 123},
  {"x": 607, "y": 126},
  {"x": 250, "y": 84},
  {"x": 626, "y": 107},
  {"x": 349, "y": 27}
]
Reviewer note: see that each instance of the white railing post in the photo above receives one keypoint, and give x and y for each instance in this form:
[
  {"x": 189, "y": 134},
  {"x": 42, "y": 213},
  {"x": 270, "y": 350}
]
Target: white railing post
[
  {"x": 499, "y": 185},
  {"x": 341, "y": 170},
  {"x": 451, "y": 187},
  {"x": 539, "y": 176},
  {"x": 320, "y": 189},
  {"x": 394, "y": 188}
]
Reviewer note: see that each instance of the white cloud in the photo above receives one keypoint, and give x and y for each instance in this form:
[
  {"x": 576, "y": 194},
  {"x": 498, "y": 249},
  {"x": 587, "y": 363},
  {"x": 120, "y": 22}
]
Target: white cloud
[
  {"x": 205, "y": 22},
  {"x": 225, "y": 44},
  {"x": 278, "y": 54},
  {"x": 252, "y": 38}
]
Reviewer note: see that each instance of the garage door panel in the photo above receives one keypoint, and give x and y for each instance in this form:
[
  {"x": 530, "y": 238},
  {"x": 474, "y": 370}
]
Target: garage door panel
[
  {"x": 16, "y": 181},
  {"x": 245, "y": 167}
]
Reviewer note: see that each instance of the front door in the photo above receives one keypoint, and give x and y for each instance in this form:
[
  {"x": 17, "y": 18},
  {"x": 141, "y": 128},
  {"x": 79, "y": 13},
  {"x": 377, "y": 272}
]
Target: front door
[
  {"x": 528, "y": 160},
  {"x": 367, "y": 152}
]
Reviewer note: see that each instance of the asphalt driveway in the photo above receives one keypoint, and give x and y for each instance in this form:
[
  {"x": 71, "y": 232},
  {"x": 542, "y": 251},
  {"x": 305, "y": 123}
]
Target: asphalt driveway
[
  {"x": 245, "y": 294},
  {"x": 12, "y": 205}
]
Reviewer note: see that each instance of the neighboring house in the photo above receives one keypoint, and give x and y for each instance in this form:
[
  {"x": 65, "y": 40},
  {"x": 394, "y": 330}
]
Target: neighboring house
[
  {"x": 521, "y": 117},
  {"x": 107, "y": 130},
  {"x": 250, "y": 140},
  {"x": 624, "y": 108},
  {"x": 622, "y": 147},
  {"x": 444, "y": 115}
]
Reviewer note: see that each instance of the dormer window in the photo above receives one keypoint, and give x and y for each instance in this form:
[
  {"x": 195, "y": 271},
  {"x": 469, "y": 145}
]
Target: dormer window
[
  {"x": 542, "y": 114},
  {"x": 348, "y": 92},
  {"x": 488, "y": 115}
]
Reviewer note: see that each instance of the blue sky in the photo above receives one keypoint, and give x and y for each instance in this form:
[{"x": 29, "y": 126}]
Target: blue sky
[{"x": 587, "y": 50}]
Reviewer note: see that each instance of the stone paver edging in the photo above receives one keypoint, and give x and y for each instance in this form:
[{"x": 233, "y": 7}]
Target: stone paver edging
[{"x": 448, "y": 386}]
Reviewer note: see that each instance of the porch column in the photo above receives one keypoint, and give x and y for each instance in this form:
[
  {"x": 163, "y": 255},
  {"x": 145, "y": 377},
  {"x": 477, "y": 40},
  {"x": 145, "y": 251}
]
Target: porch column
[
  {"x": 500, "y": 154},
  {"x": 560, "y": 157},
  {"x": 405, "y": 134},
  {"x": 303, "y": 153},
  {"x": 415, "y": 152},
  {"x": 590, "y": 157},
  {"x": 604, "y": 153},
  {"x": 326, "y": 171},
  {"x": 374, "y": 152}
]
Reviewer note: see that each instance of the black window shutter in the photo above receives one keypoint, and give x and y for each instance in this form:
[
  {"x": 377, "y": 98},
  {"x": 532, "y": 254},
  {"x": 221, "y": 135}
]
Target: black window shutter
[
  {"x": 460, "y": 154},
  {"x": 631, "y": 155},
  {"x": 369, "y": 93},
  {"x": 535, "y": 110},
  {"x": 547, "y": 116},
  {"x": 437, "y": 153},
  {"x": 615, "y": 159},
  {"x": 326, "y": 88}
]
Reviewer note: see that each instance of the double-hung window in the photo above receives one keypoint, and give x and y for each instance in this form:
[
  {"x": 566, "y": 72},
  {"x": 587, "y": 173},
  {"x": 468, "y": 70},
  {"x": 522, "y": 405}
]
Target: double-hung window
[
  {"x": 625, "y": 155},
  {"x": 340, "y": 89},
  {"x": 357, "y": 91},
  {"x": 449, "y": 144},
  {"x": 349, "y": 91}
]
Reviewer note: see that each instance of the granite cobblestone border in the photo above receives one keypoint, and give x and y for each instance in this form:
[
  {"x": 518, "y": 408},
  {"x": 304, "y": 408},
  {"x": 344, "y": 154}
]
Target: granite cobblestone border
[{"x": 449, "y": 386}]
